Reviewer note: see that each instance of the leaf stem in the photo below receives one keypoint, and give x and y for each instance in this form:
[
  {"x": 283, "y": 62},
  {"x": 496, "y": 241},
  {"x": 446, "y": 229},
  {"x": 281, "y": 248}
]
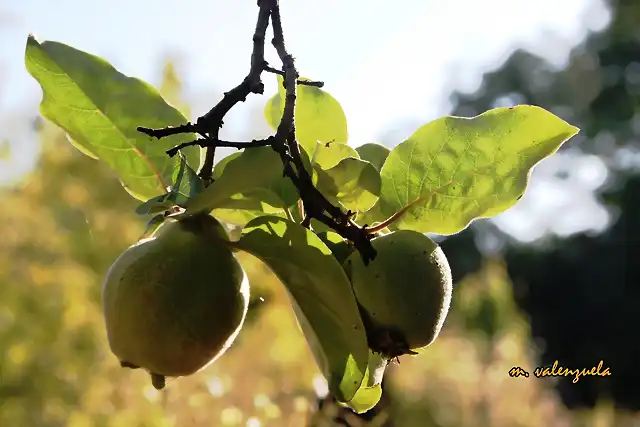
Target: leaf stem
[{"x": 287, "y": 212}]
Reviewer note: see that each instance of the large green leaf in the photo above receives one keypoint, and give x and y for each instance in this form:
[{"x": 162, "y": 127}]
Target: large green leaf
[
  {"x": 328, "y": 154},
  {"x": 322, "y": 297},
  {"x": 373, "y": 153},
  {"x": 319, "y": 117},
  {"x": 276, "y": 192},
  {"x": 353, "y": 182},
  {"x": 255, "y": 174},
  {"x": 339, "y": 247},
  {"x": 222, "y": 164},
  {"x": 101, "y": 108},
  {"x": 468, "y": 168},
  {"x": 242, "y": 208},
  {"x": 241, "y": 217}
]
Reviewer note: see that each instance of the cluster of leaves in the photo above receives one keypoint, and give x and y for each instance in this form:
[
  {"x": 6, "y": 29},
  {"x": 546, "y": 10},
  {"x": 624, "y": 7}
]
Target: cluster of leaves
[{"x": 449, "y": 172}]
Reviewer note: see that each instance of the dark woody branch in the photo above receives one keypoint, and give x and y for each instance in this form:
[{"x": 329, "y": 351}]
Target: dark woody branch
[{"x": 284, "y": 142}]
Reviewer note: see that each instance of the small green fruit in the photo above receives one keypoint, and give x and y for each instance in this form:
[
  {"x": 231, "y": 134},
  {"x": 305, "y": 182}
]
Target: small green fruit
[
  {"x": 173, "y": 303},
  {"x": 404, "y": 293}
]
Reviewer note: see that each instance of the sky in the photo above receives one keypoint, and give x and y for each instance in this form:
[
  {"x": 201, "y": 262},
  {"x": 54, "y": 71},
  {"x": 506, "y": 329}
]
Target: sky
[{"x": 385, "y": 65}]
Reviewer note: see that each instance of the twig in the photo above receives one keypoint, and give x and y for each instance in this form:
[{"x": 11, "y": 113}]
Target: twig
[
  {"x": 207, "y": 142},
  {"x": 269, "y": 69}
]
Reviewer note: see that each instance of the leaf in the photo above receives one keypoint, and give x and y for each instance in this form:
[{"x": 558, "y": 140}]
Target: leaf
[
  {"x": 366, "y": 398},
  {"x": 319, "y": 117},
  {"x": 322, "y": 298},
  {"x": 154, "y": 223},
  {"x": 372, "y": 216},
  {"x": 370, "y": 392},
  {"x": 83, "y": 149},
  {"x": 468, "y": 168},
  {"x": 222, "y": 164},
  {"x": 185, "y": 180},
  {"x": 186, "y": 184},
  {"x": 353, "y": 182},
  {"x": 339, "y": 247},
  {"x": 258, "y": 199},
  {"x": 155, "y": 205},
  {"x": 100, "y": 109},
  {"x": 328, "y": 154},
  {"x": 375, "y": 154},
  {"x": 252, "y": 169},
  {"x": 245, "y": 207},
  {"x": 241, "y": 217}
]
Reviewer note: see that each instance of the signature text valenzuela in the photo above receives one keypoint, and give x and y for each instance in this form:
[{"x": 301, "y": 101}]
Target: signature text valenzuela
[{"x": 558, "y": 371}]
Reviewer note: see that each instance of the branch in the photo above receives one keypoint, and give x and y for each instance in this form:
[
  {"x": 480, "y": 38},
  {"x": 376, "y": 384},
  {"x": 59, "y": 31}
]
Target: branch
[
  {"x": 269, "y": 69},
  {"x": 314, "y": 202},
  {"x": 209, "y": 125},
  {"x": 283, "y": 142},
  {"x": 213, "y": 143}
]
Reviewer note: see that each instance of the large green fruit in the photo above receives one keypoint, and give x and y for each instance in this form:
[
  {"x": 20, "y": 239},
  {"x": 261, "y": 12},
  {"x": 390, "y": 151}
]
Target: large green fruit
[
  {"x": 174, "y": 303},
  {"x": 404, "y": 293}
]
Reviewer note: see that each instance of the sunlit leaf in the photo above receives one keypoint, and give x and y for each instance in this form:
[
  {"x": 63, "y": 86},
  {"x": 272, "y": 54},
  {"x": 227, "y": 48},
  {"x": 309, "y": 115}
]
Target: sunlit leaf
[
  {"x": 370, "y": 392},
  {"x": 468, "y": 168},
  {"x": 319, "y": 117},
  {"x": 322, "y": 298},
  {"x": 375, "y": 154},
  {"x": 328, "y": 154},
  {"x": 101, "y": 108},
  {"x": 353, "y": 182},
  {"x": 246, "y": 175},
  {"x": 372, "y": 216},
  {"x": 222, "y": 164},
  {"x": 84, "y": 149},
  {"x": 241, "y": 217},
  {"x": 242, "y": 208}
]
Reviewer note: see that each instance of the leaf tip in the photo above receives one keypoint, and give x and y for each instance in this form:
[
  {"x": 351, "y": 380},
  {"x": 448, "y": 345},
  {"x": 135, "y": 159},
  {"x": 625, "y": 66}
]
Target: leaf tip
[{"x": 32, "y": 40}]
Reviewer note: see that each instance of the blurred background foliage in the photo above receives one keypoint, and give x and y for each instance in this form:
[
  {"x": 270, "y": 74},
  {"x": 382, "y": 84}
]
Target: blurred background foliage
[{"x": 571, "y": 298}]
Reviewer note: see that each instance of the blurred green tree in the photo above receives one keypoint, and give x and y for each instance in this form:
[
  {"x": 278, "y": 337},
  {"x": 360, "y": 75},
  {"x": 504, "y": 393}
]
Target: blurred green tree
[{"x": 582, "y": 293}]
